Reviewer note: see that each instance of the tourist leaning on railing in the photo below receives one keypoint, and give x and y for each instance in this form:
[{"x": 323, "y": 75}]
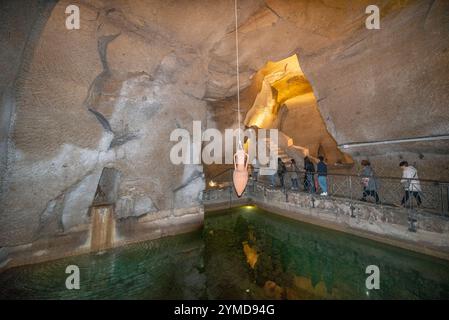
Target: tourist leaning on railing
[
  {"x": 321, "y": 169},
  {"x": 294, "y": 170},
  {"x": 281, "y": 171},
  {"x": 411, "y": 183}
]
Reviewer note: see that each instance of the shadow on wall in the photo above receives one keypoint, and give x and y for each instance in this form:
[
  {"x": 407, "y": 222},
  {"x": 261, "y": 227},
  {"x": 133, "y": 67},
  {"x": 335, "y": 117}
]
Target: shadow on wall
[{"x": 286, "y": 101}]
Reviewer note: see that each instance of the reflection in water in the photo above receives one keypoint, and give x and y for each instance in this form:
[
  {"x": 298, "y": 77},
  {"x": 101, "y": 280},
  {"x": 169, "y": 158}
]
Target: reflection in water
[
  {"x": 250, "y": 253},
  {"x": 169, "y": 268},
  {"x": 243, "y": 253}
]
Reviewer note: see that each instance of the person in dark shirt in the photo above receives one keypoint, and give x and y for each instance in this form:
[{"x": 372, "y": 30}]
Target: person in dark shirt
[
  {"x": 322, "y": 175},
  {"x": 309, "y": 184}
]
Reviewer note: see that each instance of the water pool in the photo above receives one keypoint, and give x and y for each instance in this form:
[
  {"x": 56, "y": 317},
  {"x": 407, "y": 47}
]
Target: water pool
[{"x": 242, "y": 253}]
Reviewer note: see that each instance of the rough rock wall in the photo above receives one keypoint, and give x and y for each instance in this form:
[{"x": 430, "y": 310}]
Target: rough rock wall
[
  {"x": 97, "y": 97},
  {"x": 302, "y": 121},
  {"x": 370, "y": 85},
  {"x": 286, "y": 101}
]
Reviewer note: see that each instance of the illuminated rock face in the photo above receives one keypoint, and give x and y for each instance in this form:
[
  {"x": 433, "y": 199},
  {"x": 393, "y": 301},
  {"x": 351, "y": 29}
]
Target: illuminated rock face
[
  {"x": 86, "y": 101},
  {"x": 145, "y": 69},
  {"x": 286, "y": 102}
]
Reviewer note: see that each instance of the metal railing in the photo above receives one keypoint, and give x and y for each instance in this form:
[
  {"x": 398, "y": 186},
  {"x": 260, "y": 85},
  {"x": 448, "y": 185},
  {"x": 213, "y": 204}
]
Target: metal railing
[{"x": 434, "y": 195}]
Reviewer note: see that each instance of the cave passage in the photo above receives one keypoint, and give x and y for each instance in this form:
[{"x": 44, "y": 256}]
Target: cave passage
[{"x": 286, "y": 101}]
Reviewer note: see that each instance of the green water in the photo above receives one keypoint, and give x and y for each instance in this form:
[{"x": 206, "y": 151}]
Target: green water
[{"x": 243, "y": 253}]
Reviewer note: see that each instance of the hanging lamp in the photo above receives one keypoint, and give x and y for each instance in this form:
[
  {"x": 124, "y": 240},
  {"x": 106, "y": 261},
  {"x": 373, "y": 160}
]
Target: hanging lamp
[{"x": 240, "y": 175}]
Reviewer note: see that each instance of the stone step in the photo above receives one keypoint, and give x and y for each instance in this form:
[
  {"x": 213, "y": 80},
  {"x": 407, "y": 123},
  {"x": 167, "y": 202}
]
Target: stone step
[{"x": 266, "y": 166}]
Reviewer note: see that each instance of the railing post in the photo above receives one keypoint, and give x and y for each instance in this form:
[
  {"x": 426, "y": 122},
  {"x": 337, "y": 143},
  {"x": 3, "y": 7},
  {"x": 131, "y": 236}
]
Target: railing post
[
  {"x": 411, "y": 212},
  {"x": 351, "y": 205},
  {"x": 446, "y": 210}
]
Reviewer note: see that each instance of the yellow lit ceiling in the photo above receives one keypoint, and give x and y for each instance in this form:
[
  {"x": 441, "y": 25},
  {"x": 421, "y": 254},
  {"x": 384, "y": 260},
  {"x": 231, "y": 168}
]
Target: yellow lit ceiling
[
  {"x": 283, "y": 84},
  {"x": 280, "y": 81}
]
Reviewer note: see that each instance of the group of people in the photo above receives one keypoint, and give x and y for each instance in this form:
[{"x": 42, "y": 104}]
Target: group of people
[
  {"x": 369, "y": 182},
  {"x": 410, "y": 181},
  {"x": 309, "y": 180}
]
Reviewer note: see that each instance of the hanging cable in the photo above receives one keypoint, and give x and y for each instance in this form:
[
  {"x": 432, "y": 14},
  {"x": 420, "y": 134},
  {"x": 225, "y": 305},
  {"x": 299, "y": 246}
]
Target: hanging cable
[
  {"x": 238, "y": 73},
  {"x": 240, "y": 175}
]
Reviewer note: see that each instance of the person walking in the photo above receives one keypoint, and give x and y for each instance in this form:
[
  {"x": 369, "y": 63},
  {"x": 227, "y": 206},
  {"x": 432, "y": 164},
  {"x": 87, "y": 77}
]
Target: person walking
[
  {"x": 281, "y": 171},
  {"x": 369, "y": 182},
  {"x": 411, "y": 183},
  {"x": 321, "y": 169},
  {"x": 309, "y": 183},
  {"x": 294, "y": 174}
]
